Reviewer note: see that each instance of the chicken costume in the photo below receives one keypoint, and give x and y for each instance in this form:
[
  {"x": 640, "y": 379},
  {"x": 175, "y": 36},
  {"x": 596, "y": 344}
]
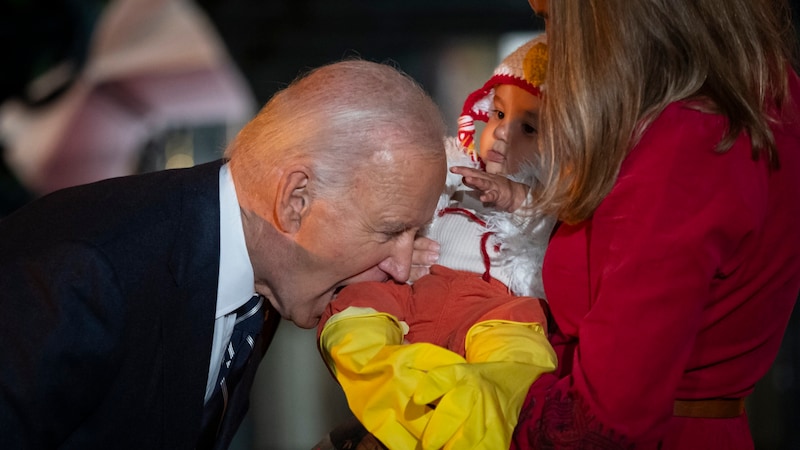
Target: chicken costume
[{"x": 482, "y": 306}]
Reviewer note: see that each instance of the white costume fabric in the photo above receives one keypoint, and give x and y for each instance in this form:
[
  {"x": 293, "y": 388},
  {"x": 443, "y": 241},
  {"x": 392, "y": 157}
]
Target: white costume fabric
[{"x": 514, "y": 247}]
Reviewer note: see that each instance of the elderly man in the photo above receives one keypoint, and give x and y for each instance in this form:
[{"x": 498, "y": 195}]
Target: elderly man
[{"x": 123, "y": 303}]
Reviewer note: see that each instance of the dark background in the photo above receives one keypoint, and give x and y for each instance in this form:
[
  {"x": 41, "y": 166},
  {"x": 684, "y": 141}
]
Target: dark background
[{"x": 273, "y": 41}]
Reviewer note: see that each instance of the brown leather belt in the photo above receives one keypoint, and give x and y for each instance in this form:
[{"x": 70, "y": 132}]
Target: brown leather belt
[{"x": 720, "y": 408}]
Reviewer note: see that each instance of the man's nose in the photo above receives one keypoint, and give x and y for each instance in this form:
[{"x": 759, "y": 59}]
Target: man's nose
[{"x": 398, "y": 264}]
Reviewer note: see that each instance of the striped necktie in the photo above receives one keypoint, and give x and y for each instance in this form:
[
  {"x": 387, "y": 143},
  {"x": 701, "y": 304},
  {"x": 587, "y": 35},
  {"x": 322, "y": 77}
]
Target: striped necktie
[{"x": 249, "y": 322}]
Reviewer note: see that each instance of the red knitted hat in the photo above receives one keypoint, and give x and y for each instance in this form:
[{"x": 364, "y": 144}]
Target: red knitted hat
[{"x": 525, "y": 67}]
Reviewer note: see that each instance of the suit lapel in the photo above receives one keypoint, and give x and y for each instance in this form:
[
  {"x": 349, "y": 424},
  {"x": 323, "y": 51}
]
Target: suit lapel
[{"x": 188, "y": 322}]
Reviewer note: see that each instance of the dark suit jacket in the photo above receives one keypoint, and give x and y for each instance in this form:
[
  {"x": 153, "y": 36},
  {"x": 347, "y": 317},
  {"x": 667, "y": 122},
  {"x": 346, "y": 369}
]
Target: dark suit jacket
[{"x": 107, "y": 300}]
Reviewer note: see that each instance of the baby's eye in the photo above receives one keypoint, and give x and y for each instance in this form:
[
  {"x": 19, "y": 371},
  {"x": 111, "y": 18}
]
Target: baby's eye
[
  {"x": 496, "y": 113},
  {"x": 529, "y": 129}
]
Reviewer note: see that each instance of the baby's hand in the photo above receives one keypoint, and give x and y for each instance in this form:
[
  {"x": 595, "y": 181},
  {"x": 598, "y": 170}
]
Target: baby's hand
[
  {"x": 425, "y": 253},
  {"x": 506, "y": 195}
]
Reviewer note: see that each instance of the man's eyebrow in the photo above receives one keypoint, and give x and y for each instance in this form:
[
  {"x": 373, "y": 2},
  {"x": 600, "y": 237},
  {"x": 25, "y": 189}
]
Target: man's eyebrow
[{"x": 395, "y": 227}]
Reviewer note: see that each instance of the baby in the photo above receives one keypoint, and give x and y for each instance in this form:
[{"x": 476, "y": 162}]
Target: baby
[{"x": 483, "y": 301}]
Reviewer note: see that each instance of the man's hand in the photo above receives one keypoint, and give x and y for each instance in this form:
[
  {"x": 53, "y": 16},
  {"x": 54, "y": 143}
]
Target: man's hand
[
  {"x": 504, "y": 194},
  {"x": 426, "y": 253}
]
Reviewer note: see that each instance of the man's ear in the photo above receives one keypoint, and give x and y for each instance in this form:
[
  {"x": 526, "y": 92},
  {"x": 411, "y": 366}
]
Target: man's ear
[{"x": 293, "y": 198}]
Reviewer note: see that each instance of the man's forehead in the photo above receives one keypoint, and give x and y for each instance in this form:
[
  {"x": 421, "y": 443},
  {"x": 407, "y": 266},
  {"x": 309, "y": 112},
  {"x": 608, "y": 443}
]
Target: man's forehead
[
  {"x": 404, "y": 210},
  {"x": 406, "y": 190}
]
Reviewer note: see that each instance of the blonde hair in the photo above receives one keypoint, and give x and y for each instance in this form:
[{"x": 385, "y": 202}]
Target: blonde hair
[
  {"x": 337, "y": 118},
  {"x": 616, "y": 64}
]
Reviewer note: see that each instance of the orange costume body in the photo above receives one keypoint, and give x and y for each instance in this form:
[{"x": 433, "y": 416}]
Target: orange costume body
[{"x": 441, "y": 307}]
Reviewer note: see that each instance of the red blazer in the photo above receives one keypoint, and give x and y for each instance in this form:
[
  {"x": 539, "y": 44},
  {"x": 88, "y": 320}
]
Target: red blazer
[{"x": 679, "y": 287}]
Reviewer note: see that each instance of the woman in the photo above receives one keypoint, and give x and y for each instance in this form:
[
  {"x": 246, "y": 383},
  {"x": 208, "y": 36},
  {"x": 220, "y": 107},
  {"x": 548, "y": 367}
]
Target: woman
[{"x": 671, "y": 129}]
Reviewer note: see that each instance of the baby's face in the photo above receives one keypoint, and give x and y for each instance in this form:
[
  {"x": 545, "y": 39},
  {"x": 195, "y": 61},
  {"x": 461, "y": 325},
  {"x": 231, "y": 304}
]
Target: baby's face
[{"x": 510, "y": 136}]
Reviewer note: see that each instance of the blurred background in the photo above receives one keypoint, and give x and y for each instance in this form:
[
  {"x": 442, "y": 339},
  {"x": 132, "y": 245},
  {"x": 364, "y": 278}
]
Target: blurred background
[{"x": 93, "y": 89}]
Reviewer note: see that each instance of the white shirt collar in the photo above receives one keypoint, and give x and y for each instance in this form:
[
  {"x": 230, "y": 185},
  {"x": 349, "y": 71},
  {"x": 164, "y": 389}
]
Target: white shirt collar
[{"x": 236, "y": 279}]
